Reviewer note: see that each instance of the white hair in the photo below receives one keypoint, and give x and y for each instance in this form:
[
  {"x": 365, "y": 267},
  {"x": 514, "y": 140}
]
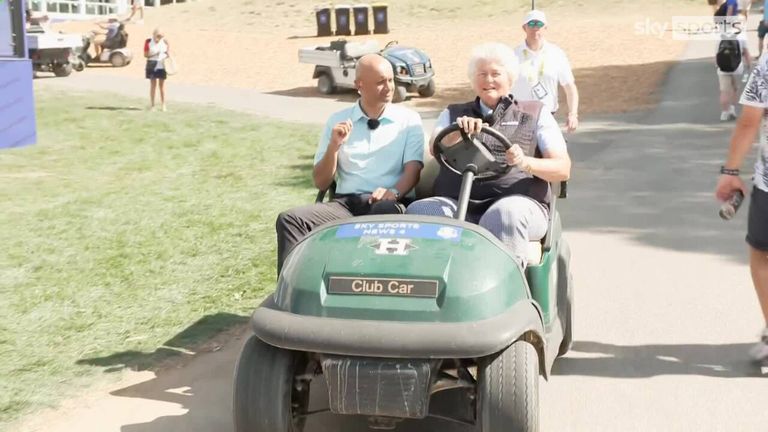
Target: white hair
[{"x": 494, "y": 51}]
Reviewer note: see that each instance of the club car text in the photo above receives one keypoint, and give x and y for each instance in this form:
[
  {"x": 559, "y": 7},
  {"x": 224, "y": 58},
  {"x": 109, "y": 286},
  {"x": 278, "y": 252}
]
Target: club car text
[{"x": 383, "y": 287}]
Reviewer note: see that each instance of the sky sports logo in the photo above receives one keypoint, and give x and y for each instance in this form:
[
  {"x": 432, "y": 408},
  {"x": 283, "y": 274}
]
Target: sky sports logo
[{"x": 687, "y": 28}]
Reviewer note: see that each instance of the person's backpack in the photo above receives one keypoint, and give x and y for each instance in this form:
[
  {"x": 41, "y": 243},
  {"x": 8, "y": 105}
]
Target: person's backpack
[{"x": 728, "y": 56}]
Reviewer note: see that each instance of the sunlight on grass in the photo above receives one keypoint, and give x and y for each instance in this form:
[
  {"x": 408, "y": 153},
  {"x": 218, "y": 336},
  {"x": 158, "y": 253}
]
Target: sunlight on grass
[{"x": 121, "y": 228}]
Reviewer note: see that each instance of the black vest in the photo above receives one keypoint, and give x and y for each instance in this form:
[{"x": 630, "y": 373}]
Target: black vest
[{"x": 517, "y": 121}]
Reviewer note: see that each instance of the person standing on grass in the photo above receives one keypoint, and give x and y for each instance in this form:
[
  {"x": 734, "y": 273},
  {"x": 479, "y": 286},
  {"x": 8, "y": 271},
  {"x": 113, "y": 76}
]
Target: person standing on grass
[
  {"x": 156, "y": 50},
  {"x": 544, "y": 66},
  {"x": 754, "y": 117}
]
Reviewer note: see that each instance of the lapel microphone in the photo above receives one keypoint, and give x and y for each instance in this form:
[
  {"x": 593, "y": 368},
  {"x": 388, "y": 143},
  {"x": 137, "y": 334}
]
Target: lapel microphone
[{"x": 373, "y": 123}]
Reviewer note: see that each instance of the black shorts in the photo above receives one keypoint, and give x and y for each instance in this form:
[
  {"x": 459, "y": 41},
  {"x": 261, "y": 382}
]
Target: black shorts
[
  {"x": 762, "y": 29},
  {"x": 151, "y": 73},
  {"x": 757, "y": 225}
]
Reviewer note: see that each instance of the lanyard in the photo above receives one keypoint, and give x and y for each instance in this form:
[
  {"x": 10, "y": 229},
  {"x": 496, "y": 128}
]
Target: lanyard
[{"x": 531, "y": 71}]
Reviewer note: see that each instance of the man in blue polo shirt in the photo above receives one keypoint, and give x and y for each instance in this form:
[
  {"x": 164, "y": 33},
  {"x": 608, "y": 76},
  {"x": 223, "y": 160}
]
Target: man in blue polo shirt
[{"x": 373, "y": 150}]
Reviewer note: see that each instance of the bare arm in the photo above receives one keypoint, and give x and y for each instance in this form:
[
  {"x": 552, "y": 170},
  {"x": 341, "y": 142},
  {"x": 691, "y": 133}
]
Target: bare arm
[
  {"x": 741, "y": 142},
  {"x": 572, "y": 98},
  {"x": 325, "y": 170},
  {"x": 410, "y": 177},
  {"x": 555, "y": 166}
]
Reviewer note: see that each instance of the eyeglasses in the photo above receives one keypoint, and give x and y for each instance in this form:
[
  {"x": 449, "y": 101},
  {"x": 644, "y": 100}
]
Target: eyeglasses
[{"x": 535, "y": 24}]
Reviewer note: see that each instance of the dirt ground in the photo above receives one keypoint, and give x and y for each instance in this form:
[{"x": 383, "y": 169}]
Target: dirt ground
[{"x": 254, "y": 44}]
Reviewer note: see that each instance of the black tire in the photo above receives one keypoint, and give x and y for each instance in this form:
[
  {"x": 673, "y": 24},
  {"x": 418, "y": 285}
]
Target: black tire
[
  {"x": 400, "y": 93},
  {"x": 428, "y": 90},
  {"x": 265, "y": 399},
  {"x": 565, "y": 301},
  {"x": 62, "y": 70},
  {"x": 118, "y": 59},
  {"x": 79, "y": 66},
  {"x": 508, "y": 390},
  {"x": 325, "y": 84}
]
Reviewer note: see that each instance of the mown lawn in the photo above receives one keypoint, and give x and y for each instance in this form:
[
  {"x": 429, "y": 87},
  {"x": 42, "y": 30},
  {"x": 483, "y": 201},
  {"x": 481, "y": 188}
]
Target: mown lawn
[{"x": 123, "y": 228}]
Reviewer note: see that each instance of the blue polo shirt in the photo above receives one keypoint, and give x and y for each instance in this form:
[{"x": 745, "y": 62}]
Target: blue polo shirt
[{"x": 371, "y": 159}]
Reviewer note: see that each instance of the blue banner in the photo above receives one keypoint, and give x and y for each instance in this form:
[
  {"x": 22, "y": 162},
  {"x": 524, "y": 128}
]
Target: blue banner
[{"x": 17, "y": 107}]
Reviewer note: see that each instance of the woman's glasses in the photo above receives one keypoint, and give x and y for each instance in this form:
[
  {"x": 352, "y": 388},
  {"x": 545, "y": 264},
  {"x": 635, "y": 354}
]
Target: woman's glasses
[{"x": 535, "y": 24}]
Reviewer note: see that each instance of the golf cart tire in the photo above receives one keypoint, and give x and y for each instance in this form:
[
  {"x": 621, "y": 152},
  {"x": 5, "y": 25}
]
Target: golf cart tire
[
  {"x": 79, "y": 66},
  {"x": 325, "y": 84},
  {"x": 63, "y": 70},
  {"x": 400, "y": 93},
  {"x": 565, "y": 298},
  {"x": 428, "y": 90},
  {"x": 567, "y": 342},
  {"x": 118, "y": 59},
  {"x": 263, "y": 389},
  {"x": 508, "y": 390}
]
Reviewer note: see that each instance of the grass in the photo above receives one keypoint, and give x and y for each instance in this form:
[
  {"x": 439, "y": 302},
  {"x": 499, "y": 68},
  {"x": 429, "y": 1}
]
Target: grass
[{"x": 122, "y": 229}]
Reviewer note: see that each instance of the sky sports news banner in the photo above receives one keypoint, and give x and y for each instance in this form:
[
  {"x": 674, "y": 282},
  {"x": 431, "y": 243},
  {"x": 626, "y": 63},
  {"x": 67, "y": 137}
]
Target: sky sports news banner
[{"x": 17, "y": 108}]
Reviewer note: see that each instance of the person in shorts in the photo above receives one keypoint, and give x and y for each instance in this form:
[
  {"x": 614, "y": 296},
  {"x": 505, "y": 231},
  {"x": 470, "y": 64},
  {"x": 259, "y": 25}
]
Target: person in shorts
[
  {"x": 754, "y": 117},
  {"x": 730, "y": 80},
  {"x": 156, "y": 50}
]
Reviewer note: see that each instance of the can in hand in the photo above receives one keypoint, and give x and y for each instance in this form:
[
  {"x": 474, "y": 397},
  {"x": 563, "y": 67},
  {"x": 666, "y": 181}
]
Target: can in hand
[{"x": 729, "y": 208}]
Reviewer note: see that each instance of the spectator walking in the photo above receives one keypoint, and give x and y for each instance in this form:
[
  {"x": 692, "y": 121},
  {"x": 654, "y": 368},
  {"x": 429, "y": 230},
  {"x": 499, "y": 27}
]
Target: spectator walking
[
  {"x": 544, "y": 66},
  {"x": 754, "y": 102}
]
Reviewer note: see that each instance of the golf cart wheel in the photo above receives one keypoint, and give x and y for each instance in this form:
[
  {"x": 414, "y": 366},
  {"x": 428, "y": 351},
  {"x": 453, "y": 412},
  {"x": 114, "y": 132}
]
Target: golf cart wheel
[
  {"x": 265, "y": 397},
  {"x": 400, "y": 93},
  {"x": 567, "y": 319},
  {"x": 565, "y": 298},
  {"x": 62, "y": 70},
  {"x": 428, "y": 90},
  {"x": 508, "y": 390},
  {"x": 325, "y": 84},
  {"x": 79, "y": 66},
  {"x": 118, "y": 59}
]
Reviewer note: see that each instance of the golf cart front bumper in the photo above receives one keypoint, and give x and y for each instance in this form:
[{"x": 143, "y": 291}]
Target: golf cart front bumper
[
  {"x": 395, "y": 339},
  {"x": 418, "y": 81}
]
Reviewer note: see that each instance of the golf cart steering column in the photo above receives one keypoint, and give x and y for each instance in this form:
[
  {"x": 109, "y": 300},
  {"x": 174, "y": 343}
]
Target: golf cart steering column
[{"x": 466, "y": 190}]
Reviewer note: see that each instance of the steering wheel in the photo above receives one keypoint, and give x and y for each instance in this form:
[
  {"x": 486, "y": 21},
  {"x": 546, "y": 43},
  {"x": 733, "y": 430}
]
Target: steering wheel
[{"x": 485, "y": 157}]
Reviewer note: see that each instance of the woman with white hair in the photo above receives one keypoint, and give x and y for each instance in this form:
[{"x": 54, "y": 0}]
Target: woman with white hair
[{"x": 514, "y": 207}]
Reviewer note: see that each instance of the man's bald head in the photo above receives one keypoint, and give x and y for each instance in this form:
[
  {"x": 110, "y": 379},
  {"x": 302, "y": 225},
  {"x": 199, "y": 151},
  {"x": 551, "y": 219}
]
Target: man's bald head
[
  {"x": 374, "y": 79},
  {"x": 371, "y": 63}
]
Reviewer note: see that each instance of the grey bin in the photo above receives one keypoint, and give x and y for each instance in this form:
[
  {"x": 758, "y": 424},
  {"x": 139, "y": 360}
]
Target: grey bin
[
  {"x": 360, "y": 12},
  {"x": 380, "y": 25},
  {"x": 343, "y": 26},
  {"x": 323, "y": 18}
]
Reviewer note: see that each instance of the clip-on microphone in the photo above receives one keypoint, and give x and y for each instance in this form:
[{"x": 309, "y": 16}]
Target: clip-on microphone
[{"x": 373, "y": 123}]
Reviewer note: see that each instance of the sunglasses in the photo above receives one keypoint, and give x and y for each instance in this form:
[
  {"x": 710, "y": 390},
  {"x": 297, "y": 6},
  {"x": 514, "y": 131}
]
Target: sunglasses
[{"x": 535, "y": 24}]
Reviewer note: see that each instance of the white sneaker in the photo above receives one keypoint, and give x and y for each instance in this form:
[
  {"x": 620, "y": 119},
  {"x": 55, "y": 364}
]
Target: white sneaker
[
  {"x": 759, "y": 352},
  {"x": 724, "y": 116}
]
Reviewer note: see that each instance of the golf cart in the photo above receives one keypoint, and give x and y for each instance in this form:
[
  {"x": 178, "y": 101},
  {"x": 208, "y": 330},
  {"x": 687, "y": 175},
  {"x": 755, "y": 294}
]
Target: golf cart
[
  {"x": 51, "y": 51},
  {"x": 335, "y": 66},
  {"x": 113, "y": 50},
  {"x": 388, "y": 310}
]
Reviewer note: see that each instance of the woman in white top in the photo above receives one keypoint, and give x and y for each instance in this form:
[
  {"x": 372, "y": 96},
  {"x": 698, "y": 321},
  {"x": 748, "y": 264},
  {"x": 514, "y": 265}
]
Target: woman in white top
[{"x": 156, "y": 50}]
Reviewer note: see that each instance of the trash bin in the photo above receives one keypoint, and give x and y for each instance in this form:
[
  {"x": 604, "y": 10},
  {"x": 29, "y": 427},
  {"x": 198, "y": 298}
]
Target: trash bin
[
  {"x": 343, "y": 26},
  {"x": 380, "y": 18},
  {"x": 361, "y": 19},
  {"x": 323, "y": 17}
]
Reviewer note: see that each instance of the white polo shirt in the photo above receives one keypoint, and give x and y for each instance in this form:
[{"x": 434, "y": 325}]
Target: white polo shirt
[{"x": 540, "y": 73}]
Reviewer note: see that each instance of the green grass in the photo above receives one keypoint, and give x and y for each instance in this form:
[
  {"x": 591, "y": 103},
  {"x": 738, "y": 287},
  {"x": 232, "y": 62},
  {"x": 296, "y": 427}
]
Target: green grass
[{"x": 123, "y": 231}]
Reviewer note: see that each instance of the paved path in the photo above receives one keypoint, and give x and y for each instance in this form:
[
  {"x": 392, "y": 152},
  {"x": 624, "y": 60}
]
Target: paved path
[{"x": 664, "y": 304}]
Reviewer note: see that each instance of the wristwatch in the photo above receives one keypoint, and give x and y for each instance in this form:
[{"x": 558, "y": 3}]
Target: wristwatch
[{"x": 395, "y": 192}]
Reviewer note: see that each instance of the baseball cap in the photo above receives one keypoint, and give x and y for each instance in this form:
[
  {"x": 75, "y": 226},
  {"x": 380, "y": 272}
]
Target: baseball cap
[{"x": 536, "y": 15}]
